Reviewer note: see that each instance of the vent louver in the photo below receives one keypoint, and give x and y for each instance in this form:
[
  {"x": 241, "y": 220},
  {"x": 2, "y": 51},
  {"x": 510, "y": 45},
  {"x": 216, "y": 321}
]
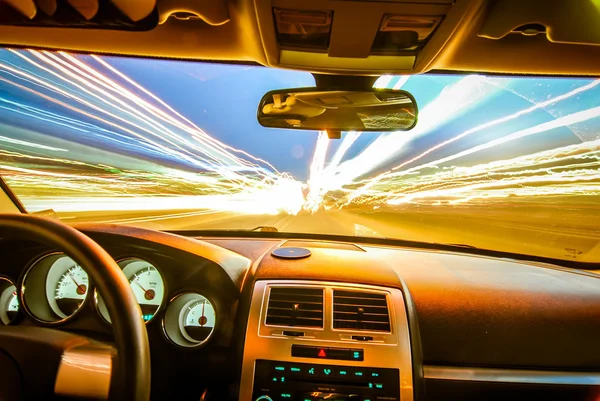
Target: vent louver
[
  {"x": 360, "y": 311},
  {"x": 295, "y": 307}
]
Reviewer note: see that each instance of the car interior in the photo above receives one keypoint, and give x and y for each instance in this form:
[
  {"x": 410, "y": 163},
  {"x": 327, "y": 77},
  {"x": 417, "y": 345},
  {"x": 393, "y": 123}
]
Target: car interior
[{"x": 300, "y": 200}]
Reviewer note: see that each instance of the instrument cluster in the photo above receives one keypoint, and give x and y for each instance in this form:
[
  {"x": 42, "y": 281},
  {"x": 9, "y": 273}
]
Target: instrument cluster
[{"x": 55, "y": 288}]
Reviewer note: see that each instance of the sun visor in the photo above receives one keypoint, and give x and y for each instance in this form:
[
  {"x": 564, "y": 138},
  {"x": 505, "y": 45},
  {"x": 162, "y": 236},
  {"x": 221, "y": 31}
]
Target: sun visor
[
  {"x": 128, "y": 15},
  {"x": 570, "y": 22}
]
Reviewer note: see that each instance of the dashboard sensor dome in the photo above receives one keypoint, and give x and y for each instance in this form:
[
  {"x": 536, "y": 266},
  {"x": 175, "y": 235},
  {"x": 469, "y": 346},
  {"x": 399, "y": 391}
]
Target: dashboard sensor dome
[{"x": 291, "y": 253}]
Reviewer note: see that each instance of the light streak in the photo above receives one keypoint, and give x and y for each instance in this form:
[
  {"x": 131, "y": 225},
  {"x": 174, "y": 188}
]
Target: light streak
[
  {"x": 30, "y": 144},
  {"x": 316, "y": 184}
]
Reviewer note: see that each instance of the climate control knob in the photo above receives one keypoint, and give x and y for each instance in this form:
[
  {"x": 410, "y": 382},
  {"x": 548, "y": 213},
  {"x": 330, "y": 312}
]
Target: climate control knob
[{"x": 264, "y": 398}]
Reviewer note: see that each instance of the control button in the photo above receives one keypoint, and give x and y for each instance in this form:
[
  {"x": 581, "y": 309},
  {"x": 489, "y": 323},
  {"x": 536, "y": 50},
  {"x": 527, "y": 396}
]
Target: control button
[
  {"x": 296, "y": 370},
  {"x": 378, "y": 385},
  {"x": 286, "y": 396},
  {"x": 279, "y": 368},
  {"x": 278, "y": 379},
  {"x": 360, "y": 373},
  {"x": 311, "y": 371},
  {"x": 357, "y": 354},
  {"x": 327, "y": 371},
  {"x": 374, "y": 374},
  {"x": 264, "y": 398},
  {"x": 343, "y": 372},
  {"x": 322, "y": 353}
]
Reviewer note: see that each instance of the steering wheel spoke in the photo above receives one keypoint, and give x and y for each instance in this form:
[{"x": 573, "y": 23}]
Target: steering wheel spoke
[
  {"x": 48, "y": 360},
  {"x": 85, "y": 371}
]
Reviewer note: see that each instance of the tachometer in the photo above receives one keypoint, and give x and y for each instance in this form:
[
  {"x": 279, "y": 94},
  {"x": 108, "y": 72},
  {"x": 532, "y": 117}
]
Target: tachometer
[
  {"x": 9, "y": 302},
  {"x": 148, "y": 288},
  {"x": 147, "y": 285}
]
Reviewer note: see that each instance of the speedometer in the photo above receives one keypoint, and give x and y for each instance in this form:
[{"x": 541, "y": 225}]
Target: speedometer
[
  {"x": 54, "y": 288},
  {"x": 70, "y": 291},
  {"x": 147, "y": 285}
]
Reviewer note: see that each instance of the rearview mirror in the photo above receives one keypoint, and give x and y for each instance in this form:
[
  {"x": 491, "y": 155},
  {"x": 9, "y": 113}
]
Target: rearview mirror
[{"x": 373, "y": 110}]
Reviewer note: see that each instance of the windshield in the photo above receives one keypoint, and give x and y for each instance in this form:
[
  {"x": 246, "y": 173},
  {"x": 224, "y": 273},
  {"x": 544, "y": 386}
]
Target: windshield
[{"x": 502, "y": 163}]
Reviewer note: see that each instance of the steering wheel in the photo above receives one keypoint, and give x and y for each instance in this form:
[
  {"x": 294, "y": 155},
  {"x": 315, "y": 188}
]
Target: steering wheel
[{"x": 37, "y": 362}]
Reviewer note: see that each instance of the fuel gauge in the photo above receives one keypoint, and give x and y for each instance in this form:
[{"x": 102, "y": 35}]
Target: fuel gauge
[
  {"x": 198, "y": 320},
  {"x": 190, "y": 320}
]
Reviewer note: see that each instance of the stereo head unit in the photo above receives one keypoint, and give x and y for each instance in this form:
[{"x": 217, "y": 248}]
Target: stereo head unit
[{"x": 290, "y": 381}]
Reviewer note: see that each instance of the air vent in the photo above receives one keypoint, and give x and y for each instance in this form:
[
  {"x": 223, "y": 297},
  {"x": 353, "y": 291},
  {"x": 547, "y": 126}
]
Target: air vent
[
  {"x": 295, "y": 307},
  {"x": 360, "y": 311}
]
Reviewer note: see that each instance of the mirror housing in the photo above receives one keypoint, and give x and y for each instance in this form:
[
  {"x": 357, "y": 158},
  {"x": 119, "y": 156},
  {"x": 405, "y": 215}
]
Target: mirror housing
[{"x": 334, "y": 110}]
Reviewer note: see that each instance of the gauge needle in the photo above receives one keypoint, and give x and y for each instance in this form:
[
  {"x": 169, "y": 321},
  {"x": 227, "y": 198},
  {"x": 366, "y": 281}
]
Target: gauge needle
[
  {"x": 80, "y": 287},
  {"x": 202, "y": 321},
  {"x": 148, "y": 294}
]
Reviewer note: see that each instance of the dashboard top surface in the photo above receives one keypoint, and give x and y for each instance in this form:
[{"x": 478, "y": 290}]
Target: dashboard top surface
[{"x": 471, "y": 310}]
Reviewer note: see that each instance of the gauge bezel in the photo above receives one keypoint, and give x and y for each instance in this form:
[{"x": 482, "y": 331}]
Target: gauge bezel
[
  {"x": 43, "y": 279},
  {"x": 11, "y": 283},
  {"x": 161, "y": 306},
  {"x": 167, "y": 326}
]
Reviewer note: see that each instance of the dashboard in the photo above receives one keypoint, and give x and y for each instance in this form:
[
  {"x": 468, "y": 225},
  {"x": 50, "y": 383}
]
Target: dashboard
[
  {"x": 267, "y": 319},
  {"x": 187, "y": 290}
]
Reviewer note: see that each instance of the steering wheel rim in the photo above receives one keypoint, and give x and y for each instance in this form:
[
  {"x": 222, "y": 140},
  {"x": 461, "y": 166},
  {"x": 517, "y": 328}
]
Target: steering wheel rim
[{"x": 131, "y": 337}]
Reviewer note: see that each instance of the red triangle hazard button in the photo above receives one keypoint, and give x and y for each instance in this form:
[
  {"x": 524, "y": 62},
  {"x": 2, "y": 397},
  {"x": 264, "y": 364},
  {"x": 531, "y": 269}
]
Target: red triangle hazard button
[{"x": 322, "y": 353}]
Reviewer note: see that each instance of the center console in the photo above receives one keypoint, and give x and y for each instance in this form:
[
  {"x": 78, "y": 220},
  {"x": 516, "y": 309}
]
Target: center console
[{"x": 312, "y": 341}]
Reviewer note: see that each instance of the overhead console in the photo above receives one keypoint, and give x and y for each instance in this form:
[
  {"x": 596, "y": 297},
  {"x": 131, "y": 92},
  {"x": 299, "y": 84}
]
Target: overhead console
[
  {"x": 312, "y": 341},
  {"x": 337, "y": 35}
]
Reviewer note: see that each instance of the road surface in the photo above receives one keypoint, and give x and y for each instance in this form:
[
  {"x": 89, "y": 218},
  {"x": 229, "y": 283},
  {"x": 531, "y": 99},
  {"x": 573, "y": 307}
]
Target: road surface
[{"x": 542, "y": 229}]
